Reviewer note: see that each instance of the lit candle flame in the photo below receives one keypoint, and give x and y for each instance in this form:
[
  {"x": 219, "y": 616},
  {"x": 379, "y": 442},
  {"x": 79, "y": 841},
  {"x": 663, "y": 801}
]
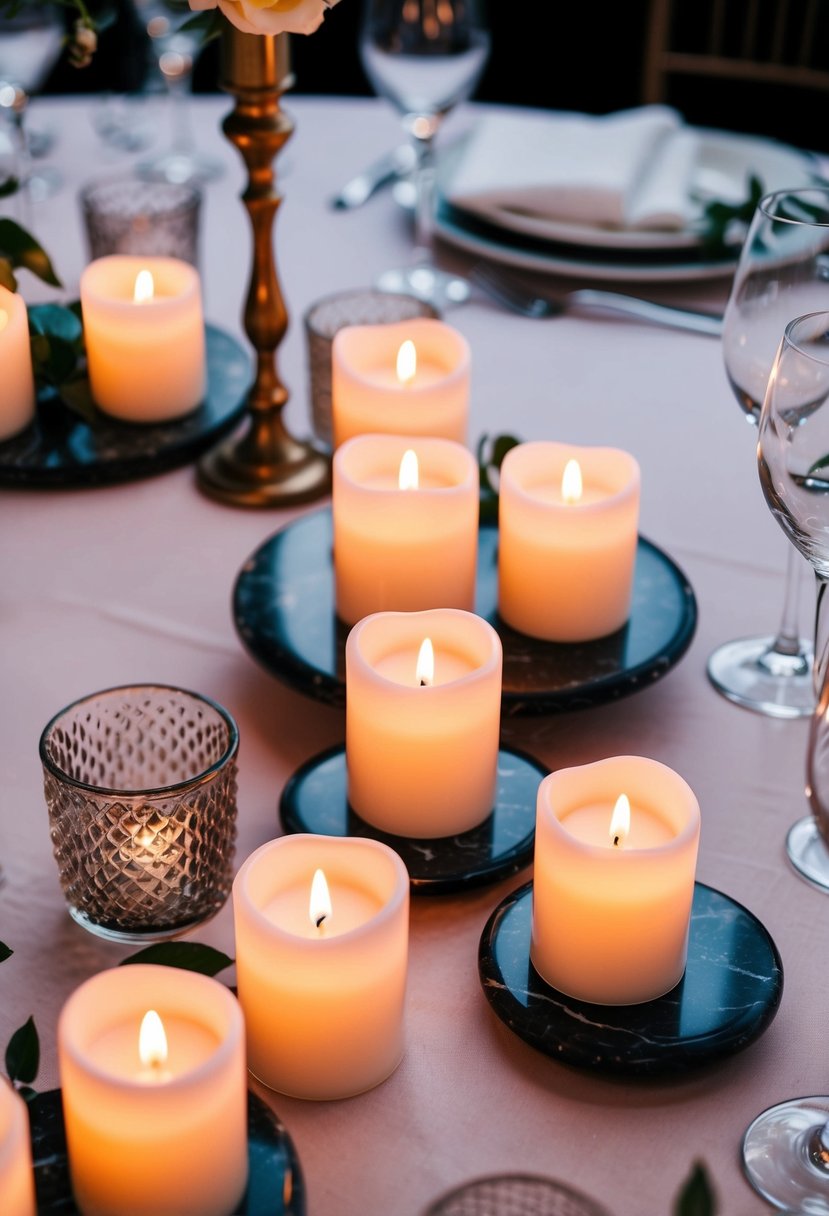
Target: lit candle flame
[
  {"x": 571, "y": 482},
  {"x": 425, "y": 669},
  {"x": 144, "y": 287},
  {"x": 319, "y": 905},
  {"x": 152, "y": 1042},
  {"x": 4, "y": 319},
  {"x": 409, "y": 477},
  {"x": 620, "y": 821},
  {"x": 407, "y": 362}
]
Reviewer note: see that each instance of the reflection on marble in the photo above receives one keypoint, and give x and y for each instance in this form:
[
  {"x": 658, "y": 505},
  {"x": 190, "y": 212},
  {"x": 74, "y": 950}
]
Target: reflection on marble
[
  {"x": 728, "y": 996},
  {"x": 62, "y": 448},
  {"x": 315, "y": 800},
  {"x": 283, "y": 608},
  {"x": 275, "y": 1184}
]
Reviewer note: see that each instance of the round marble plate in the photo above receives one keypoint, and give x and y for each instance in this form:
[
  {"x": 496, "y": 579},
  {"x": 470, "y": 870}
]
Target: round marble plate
[
  {"x": 283, "y": 608},
  {"x": 727, "y": 998},
  {"x": 63, "y": 449},
  {"x": 314, "y": 800},
  {"x": 275, "y": 1184}
]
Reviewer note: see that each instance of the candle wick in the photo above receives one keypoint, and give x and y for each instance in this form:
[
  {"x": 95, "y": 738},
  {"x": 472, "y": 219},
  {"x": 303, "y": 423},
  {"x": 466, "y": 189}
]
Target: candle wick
[
  {"x": 422, "y": 683},
  {"x": 319, "y": 920},
  {"x": 615, "y": 841}
]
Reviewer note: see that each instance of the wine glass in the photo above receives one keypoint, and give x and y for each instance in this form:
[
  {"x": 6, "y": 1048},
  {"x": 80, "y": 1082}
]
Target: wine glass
[
  {"x": 424, "y": 56},
  {"x": 174, "y": 49},
  {"x": 783, "y": 272}
]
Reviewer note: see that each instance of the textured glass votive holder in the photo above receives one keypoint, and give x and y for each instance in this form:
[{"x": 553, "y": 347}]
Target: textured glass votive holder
[
  {"x": 140, "y": 783},
  {"x": 130, "y": 216}
]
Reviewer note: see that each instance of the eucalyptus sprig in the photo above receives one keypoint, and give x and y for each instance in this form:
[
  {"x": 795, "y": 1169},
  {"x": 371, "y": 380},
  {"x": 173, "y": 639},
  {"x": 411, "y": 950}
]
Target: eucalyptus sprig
[
  {"x": 22, "y": 1057},
  {"x": 491, "y": 452},
  {"x": 696, "y": 1198},
  {"x": 724, "y": 224}
]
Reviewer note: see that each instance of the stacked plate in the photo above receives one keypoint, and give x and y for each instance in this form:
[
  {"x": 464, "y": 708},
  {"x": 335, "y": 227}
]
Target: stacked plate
[{"x": 724, "y": 165}]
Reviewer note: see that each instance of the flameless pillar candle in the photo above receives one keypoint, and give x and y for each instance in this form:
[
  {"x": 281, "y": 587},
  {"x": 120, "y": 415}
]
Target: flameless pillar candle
[
  {"x": 322, "y": 981},
  {"x": 611, "y": 908},
  {"x": 404, "y": 548},
  {"x": 145, "y": 340},
  {"x": 422, "y": 748},
  {"x": 566, "y": 551},
  {"x": 154, "y": 1136},
  {"x": 17, "y": 1183},
  {"x": 372, "y": 392},
  {"x": 17, "y": 385}
]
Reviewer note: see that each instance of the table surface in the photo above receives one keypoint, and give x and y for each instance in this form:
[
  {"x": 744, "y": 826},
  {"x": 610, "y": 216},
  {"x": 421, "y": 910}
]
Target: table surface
[{"x": 132, "y": 583}]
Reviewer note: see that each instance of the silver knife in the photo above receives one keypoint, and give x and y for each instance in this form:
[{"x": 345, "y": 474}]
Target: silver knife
[{"x": 385, "y": 169}]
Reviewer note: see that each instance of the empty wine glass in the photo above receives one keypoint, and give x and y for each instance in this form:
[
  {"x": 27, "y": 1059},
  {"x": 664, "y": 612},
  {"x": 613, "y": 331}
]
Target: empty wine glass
[
  {"x": 424, "y": 56},
  {"x": 783, "y": 273},
  {"x": 174, "y": 49}
]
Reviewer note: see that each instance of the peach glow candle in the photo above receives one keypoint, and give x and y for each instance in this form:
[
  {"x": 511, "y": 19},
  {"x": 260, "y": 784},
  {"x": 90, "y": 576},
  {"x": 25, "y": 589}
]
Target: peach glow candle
[
  {"x": 145, "y": 338},
  {"x": 611, "y": 905},
  {"x": 154, "y": 1136},
  {"x": 17, "y": 1183},
  {"x": 375, "y": 388},
  {"x": 322, "y": 982},
  {"x": 17, "y": 385},
  {"x": 422, "y": 749},
  {"x": 566, "y": 552},
  {"x": 404, "y": 548}
]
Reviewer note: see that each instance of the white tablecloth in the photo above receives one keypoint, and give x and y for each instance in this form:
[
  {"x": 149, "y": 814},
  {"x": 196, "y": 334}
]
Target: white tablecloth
[{"x": 132, "y": 583}]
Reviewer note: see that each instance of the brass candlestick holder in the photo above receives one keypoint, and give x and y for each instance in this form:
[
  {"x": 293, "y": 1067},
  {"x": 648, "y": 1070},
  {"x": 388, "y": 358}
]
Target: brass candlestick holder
[{"x": 264, "y": 466}]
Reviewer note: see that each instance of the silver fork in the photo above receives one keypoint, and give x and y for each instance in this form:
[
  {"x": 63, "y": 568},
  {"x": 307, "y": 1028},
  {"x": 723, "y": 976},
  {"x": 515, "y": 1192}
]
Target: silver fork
[{"x": 513, "y": 295}]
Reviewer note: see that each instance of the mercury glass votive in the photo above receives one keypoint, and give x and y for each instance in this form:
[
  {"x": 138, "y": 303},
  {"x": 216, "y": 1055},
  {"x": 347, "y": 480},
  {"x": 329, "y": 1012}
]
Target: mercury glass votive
[{"x": 140, "y": 783}]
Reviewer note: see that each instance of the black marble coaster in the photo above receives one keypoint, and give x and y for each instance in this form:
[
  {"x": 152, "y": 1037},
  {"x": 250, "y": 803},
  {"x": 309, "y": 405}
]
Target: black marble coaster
[
  {"x": 727, "y": 998},
  {"x": 315, "y": 800},
  {"x": 283, "y": 609},
  {"x": 275, "y": 1184},
  {"x": 63, "y": 449}
]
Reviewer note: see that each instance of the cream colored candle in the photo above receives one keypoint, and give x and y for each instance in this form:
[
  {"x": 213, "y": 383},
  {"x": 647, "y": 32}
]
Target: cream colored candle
[
  {"x": 17, "y": 1183},
  {"x": 17, "y": 385},
  {"x": 422, "y": 759},
  {"x": 611, "y": 908},
  {"x": 370, "y": 393},
  {"x": 322, "y": 985},
  {"x": 566, "y": 559},
  {"x": 410, "y": 548},
  {"x": 145, "y": 341},
  {"x": 154, "y": 1136}
]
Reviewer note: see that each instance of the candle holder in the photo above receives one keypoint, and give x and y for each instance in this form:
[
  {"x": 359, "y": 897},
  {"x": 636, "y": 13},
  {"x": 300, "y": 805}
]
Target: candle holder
[
  {"x": 264, "y": 466},
  {"x": 515, "y": 1195},
  {"x": 275, "y": 1182},
  {"x": 283, "y": 608},
  {"x": 140, "y": 783},
  {"x": 315, "y": 800},
  {"x": 727, "y": 998}
]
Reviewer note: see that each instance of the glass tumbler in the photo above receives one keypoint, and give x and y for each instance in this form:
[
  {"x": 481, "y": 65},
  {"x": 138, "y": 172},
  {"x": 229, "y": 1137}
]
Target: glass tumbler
[
  {"x": 127, "y": 215},
  {"x": 140, "y": 784}
]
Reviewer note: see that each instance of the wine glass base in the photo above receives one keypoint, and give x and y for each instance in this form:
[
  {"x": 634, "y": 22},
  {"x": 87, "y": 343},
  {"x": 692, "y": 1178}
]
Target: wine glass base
[
  {"x": 750, "y": 673},
  {"x": 808, "y": 854},
  {"x": 180, "y": 168},
  {"x": 427, "y": 283},
  {"x": 778, "y": 1156}
]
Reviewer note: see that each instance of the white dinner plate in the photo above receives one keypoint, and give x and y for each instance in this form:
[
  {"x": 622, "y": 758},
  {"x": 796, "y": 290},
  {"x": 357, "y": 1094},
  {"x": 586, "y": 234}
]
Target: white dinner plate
[{"x": 726, "y": 162}]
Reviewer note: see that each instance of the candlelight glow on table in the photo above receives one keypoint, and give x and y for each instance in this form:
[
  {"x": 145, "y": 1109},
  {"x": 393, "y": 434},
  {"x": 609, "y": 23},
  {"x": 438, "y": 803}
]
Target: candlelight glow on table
[
  {"x": 17, "y": 1185},
  {"x": 17, "y": 386},
  {"x": 145, "y": 337},
  {"x": 422, "y": 748},
  {"x": 405, "y": 515},
  {"x": 321, "y": 963},
  {"x": 155, "y": 1115},
  {"x": 615, "y": 858},
  {"x": 567, "y": 523},
  {"x": 410, "y": 378}
]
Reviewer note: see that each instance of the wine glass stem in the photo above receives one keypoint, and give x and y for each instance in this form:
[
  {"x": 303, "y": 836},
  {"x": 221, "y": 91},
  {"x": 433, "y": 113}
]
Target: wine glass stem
[
  {"x": 821, "y": 636},
  {"x": 424, "y": 197},
  {"x": 786, "y": 649}
]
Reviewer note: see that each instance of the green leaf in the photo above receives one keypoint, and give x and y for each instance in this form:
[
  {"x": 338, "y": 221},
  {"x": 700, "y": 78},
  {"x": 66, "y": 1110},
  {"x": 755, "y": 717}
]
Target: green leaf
[
  {"x": 21, "y": 249},
  {"x": 697, "y": 1196},
  {"x": 821, "y": 463},
  {"x": 189, "y": 956},
  {"x": 23, "y": 1053},
  {"x": 77, "y": 395},
  {"x": 724, "y": 224},
  {"x": 55, "y": 320},
  {"x": 5, "y": 952},
  {"x": 9, "y": 185},
  {"x": 7, "y": 278},
  {"x": 54, "y": 360},
  {"x": 27, "y": 1093}
]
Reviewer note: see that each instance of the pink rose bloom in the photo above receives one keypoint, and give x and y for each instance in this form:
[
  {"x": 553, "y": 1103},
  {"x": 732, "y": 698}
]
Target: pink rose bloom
[{"x": 270, "y": 16}]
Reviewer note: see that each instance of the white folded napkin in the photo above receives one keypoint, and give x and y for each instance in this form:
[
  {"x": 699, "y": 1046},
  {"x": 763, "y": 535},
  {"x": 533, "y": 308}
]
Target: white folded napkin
[{"x": 627, "y": 170}]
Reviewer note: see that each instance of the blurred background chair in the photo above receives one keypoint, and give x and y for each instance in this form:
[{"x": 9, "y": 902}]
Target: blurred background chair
[{"x": 747, "y": 65}]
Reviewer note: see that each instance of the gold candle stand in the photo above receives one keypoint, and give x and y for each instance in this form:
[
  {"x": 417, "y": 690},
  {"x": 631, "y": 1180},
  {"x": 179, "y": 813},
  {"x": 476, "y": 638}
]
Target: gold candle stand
[{"x": 264, "y": 466}]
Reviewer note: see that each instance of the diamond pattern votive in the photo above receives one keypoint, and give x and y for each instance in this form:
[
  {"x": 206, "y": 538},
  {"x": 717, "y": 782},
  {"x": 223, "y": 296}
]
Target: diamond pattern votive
[{"x": 140, "y": 784}]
